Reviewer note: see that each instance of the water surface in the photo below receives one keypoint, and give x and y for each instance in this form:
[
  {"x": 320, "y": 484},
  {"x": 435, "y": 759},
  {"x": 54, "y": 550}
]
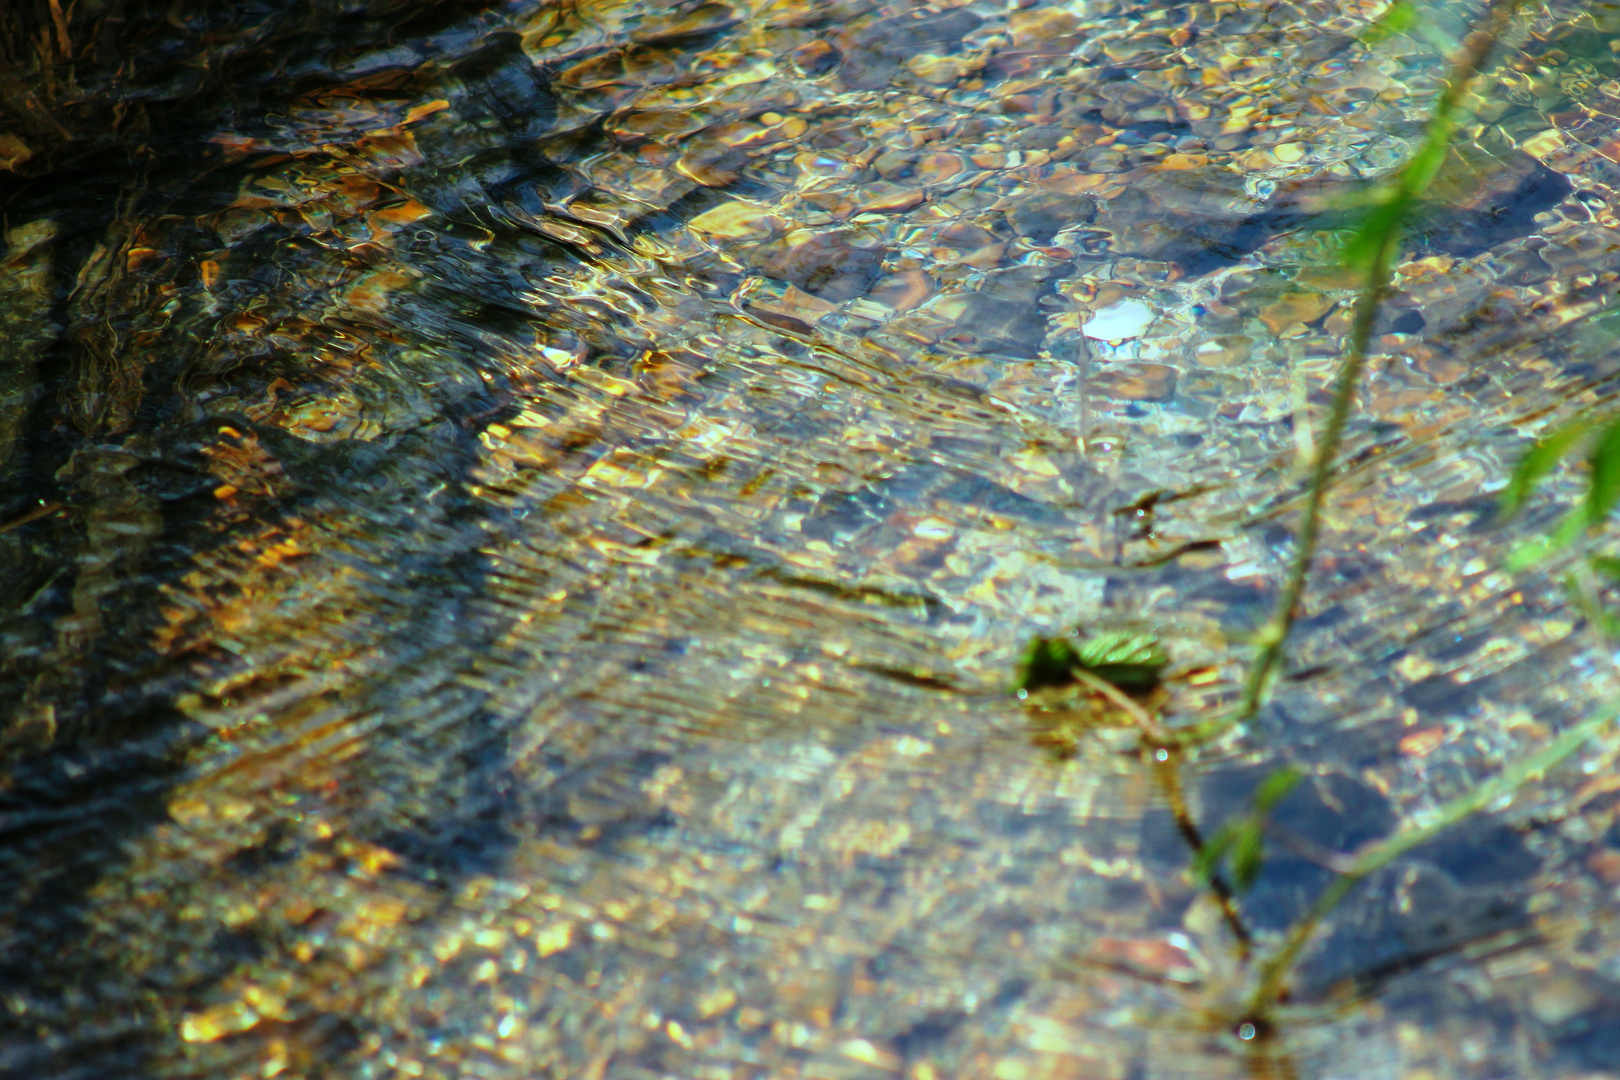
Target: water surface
[{"x": 519, "y": 520}]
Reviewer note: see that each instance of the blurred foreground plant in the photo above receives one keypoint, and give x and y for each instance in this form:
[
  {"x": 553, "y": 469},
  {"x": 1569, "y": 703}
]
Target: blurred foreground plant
[{"x": 1231, "y": 858}]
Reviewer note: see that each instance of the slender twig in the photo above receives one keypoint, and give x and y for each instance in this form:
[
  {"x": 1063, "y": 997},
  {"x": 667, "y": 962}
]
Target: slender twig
[
  {"x": 63, "y": 42},
  {"x": 1168, "y": 769},
  {"x": 1160, "y": 749},
  {"x": 35, "y": 514},
  {"x": 1379, "y": 245},
  {"x": 1155, "y": 732},
  {"x": 1381, "y": 237},
  {"x": 1274, "y": 970}
]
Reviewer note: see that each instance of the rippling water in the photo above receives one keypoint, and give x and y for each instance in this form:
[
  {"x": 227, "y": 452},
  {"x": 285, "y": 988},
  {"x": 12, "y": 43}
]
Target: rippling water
[{"x": 518, "y": 520}]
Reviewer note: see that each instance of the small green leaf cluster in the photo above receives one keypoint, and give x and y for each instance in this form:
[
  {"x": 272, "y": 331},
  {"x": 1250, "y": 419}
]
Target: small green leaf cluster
[
  {"x": 1131, "y": 660},
  {"x": 1601, "y": 443},
  {"x": 1240, "y": 843}
]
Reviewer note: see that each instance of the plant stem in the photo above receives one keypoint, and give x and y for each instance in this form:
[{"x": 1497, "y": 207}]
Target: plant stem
[
  {"x": 1378, "y": 245},
  {"x": 1145, "y": 721},
  {"x": 1169, "y": 773},
  {"x": 1274, "y": 970},
  {"x": 1274, "y": 636}
]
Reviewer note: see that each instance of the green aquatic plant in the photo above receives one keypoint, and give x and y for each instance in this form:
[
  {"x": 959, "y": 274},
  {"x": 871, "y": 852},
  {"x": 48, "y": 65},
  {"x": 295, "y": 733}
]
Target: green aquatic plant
[
  {"x": 1273, "y": 971},
  {"x": 1232, "y": 858},
  {"x": 1371, "y": 251},
  {"x": 1130, "y": 660},
  {"x": 1047, "y": 663},
  {"x": 1241, "y": 842},
  {"x": 1108, "y": 678},
  {"x": 1601, "y": 443}
]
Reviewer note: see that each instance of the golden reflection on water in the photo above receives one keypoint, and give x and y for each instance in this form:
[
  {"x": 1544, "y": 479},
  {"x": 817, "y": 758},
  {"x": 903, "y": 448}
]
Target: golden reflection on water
[{"x": 580, "y": 478}]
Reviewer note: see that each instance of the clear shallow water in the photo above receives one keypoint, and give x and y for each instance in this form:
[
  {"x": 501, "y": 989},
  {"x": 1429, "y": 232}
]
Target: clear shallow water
[{"x": 519, "y": 521}]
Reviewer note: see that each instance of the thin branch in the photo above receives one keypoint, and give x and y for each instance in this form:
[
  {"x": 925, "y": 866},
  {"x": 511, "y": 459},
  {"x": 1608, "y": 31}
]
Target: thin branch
[
  {"x": 1382, "y": 238},
  {"x": 43, "y": 510},
  {"x": 1145, "y": 720},
  {"x": 1169, "y": 772},
  {"x": 1275, "y": 969},
  {"x": 63, "y": 42}
]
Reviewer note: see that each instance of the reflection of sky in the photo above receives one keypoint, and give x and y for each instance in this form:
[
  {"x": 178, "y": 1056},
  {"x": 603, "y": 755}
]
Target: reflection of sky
[{"x": 1126, "y": 319}]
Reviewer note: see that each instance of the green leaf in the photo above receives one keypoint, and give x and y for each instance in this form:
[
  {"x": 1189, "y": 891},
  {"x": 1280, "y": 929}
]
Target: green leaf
[
  {"x": 1131, "y": 660},
  {"x": 1603, "y": 490},
  {"x": 1607, "y": 565},
  {"x": 1208, "y": 858},
  {"x": 1537, "y": 463},
  {"x": 1424, "y": 165},
  {"x": 1119, "y": 647},
  {"x": 1382, "y": 220},
  {"x": 1398, "y": 18},
  {"x": 1046, "y": 662},
  {"x": 1248, "y": 855},
  {"x": 1528, "y": 554},
  {"x": 1273, "y": 788}
]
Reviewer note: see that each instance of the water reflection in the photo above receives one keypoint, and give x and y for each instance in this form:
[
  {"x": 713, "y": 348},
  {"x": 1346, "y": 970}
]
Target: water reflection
[{"x": 519, "y": 519}]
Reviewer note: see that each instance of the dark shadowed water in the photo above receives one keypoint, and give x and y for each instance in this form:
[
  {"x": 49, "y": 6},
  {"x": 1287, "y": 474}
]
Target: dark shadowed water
[{"x": 517, "y": 521}]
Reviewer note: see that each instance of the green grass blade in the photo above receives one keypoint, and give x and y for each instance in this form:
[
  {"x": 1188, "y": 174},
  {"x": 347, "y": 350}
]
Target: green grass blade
[
  {"x": 1208, "y": 858},
  {"x": 1607, "y": 565},
  {"x": 1400, "y": 17},
  {"x": 1388, "y": 212},
  {"x": 1248, "y": 856},
  {"x": 1537, "y": 463},
  {"x": 1274, "y": 787},
  {"x": 1528, "y": 554},
  {"x": 1603, "y": 490}
]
